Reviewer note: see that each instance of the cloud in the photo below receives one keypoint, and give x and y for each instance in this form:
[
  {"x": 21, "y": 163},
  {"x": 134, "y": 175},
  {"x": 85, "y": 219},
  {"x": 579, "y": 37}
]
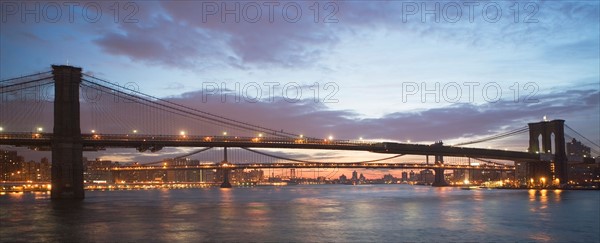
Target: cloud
[
  {"x": 454, "y": 121},
  {"x": 189, "y": 35},
  {"x": 178, "y": 37},
  {"x": 164, "y": 43},
  {"x": 175, "y": 86}
]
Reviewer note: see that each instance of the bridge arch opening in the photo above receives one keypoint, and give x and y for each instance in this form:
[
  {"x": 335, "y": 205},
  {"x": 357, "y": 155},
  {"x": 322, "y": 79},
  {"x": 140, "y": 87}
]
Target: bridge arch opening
[
  {"x": 540, "y": 144},
  {"x": 552, "y": 143}
]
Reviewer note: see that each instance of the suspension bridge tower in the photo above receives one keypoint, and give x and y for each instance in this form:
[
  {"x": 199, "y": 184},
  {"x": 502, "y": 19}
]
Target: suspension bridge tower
[
  {"x": 547, "y": 138},
  {"x": 438, "y": 179},
  {"x": 67, "y": 147}
]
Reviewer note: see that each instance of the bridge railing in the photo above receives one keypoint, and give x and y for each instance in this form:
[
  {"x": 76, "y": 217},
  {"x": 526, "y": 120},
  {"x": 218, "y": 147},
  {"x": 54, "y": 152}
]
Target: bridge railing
[
  {"x": 25, "y": 135},
  {"x": 196, "y": 138},
  {"x": 313, "y": 165},
  {"x": 213, "y": 138}
]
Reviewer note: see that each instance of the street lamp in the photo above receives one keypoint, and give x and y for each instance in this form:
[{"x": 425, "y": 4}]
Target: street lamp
[
  {"x": 224, "y": 133},
  {"x": 93, "y": 131},
  {"x": 531, "y": 181},
  {"x": 182, "y": 133},
  {"x": 543, "y": 179},
  {"x": 135, "y": 131},
  {"x": 1, "y": 129},
  {"x": 260, "y": 135},
  {"x": 330, "y": 137},
  {"x": 40, "y": 129}
]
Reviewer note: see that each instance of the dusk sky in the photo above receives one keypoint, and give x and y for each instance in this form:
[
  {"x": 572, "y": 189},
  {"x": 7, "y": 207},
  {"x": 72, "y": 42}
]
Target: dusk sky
[{"x": 386, "y": 70}]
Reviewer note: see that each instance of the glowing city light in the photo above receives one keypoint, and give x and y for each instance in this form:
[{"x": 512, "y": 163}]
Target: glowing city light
[
  {"x": 135, "y": 131},
  {"x": 224, "y": 133},
  {"x": 39, "y": 129}
]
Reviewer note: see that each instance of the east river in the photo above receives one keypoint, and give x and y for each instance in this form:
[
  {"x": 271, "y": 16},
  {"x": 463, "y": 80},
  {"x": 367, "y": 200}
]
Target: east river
[{"x": 305, "y": 213}]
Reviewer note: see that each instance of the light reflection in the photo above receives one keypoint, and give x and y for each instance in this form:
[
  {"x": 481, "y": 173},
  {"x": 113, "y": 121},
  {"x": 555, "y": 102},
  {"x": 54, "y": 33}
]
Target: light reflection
[
  {"x": 531, "y": 195},
  {"x": 557, "y": 195},
  {"x": 544, "y": 198},
  {"x": 16, "y": 194},
  {"x": 227, "y": 210},
  {"x": 541, "y": 236},
  {"x": 41, "y": 195},
  {"x": 259, "y": 212}
]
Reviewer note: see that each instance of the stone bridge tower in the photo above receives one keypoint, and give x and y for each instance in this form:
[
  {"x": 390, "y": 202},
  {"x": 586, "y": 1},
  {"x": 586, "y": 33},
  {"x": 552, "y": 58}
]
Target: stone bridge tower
[{"x": 542, "y": 136}]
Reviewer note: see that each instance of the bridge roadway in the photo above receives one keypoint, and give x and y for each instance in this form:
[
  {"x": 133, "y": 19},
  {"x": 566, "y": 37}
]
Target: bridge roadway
[
  {"x": 234, "y": 166},
  {"x": 94, "y": 142}
]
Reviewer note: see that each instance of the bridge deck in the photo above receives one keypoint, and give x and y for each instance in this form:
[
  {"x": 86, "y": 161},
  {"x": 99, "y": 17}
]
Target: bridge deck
[
  {"x": 234, "y": 166},
  {"x": 157, "y": 142}
]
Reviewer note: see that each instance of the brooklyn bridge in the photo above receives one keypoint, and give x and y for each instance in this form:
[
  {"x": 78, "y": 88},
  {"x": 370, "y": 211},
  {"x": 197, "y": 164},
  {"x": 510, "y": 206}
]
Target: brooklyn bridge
[{"x": 544, "y": 156}]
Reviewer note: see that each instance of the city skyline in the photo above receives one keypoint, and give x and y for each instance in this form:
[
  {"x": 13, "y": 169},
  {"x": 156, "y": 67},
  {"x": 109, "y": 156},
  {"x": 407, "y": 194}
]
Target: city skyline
[{"x": 299, "y": 121}]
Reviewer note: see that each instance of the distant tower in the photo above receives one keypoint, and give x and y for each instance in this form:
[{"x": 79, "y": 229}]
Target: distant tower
[{"x": 540, "y": 142}]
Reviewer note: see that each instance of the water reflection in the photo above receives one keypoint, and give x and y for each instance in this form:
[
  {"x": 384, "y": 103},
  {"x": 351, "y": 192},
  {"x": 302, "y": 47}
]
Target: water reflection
[
  {"x": 544, "y": 197},
  {"x": 314, "y": 213},
  {"x": 557, "y": 195},
  {"x": 532, "y": 193}
]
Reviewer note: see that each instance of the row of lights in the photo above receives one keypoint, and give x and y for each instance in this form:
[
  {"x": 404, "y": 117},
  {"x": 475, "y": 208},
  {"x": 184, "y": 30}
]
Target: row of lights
[
  {"x": 39, "y": 129},
  {"x": 260, "y": 135},
  {"x": 183, "y": 133}
]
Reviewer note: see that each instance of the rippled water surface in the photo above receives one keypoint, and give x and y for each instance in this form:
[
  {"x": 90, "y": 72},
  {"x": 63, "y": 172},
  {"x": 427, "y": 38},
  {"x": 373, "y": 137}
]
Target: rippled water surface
[{"x": 339, "y": 213}]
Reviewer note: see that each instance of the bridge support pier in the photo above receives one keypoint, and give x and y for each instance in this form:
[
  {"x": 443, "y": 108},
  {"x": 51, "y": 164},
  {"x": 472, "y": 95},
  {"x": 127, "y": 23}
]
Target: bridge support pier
[
  {"x": 67, "y": 146},
  {"x": 226, "y": 183},
  {"x": 438, "y": 179}
]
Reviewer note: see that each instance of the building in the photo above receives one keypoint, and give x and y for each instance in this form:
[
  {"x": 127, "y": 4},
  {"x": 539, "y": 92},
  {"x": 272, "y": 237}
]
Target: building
[
  {"x": 240, "y": 176},
  {"x": 10, "y": 165},
  {"x": 362, "y": 178},
  {"x": 404, "y": 176},
  {"x": 576, "y": 148},
  {"x": 354, "y": 176},
  {"x": 521, "y": 173},
  {"x": 584, "y": 174},
  {"x": 426, "y": 176},
  {"x": 14, "y": 168},
  {"x": 45, "y": 172},
  {"x": 98, "y": 171},
  {"x": 389, "y": 179}
]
